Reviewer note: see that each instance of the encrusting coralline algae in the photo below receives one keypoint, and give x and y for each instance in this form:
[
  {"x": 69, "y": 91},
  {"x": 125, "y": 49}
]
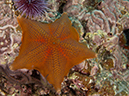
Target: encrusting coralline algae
[{"x": 100, "y": 24}]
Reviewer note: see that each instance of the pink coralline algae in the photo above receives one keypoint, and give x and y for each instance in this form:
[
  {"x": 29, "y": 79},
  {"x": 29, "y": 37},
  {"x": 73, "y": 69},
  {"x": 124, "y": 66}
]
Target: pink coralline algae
[
  {"x": 6, "y": 15},
  {"x": 9, "y": 37},
  {"x": 105, "y": 25},
  {"x": 101, "y": 25},
  {"x": 9, "y": 41},
  {"x": 105, "y": 18},
  {"x": 103, "y": 28},
  {"x": 31, "y": 8}
]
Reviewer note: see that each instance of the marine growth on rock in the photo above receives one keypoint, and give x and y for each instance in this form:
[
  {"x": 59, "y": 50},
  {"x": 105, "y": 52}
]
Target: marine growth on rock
[{"x": 100, "y": 25}]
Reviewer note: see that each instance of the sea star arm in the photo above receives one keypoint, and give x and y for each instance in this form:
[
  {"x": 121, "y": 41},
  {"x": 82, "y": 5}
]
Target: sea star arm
[{"x": 75, "y": 52}]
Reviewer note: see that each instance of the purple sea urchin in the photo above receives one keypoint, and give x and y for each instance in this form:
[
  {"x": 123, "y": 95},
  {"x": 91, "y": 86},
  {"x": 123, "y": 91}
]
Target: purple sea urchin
[{"x": 31, "y": 8}]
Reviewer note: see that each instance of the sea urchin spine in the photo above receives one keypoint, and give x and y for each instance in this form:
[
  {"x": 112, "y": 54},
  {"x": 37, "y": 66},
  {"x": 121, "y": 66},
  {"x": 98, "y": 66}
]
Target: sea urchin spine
[{"x": 31, "y": 8}]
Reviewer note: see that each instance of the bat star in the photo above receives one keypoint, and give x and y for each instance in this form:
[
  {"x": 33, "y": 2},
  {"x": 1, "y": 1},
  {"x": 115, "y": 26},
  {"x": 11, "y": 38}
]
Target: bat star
[{"x": 52, "y": 49}]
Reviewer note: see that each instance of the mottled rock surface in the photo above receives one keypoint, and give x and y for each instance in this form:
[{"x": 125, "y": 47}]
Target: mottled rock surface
[{"x": 100, "y": 24}]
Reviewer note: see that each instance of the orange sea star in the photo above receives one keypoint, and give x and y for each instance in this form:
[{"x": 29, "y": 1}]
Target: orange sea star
[{"x": 52, "y": 49}]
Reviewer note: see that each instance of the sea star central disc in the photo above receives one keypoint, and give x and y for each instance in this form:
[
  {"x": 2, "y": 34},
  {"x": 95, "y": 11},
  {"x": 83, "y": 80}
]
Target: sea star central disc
[{"x": 53, "y": 49}]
